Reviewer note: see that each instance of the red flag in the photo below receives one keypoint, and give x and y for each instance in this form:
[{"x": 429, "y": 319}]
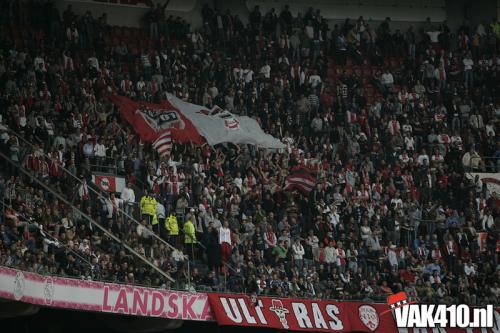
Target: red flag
[
  {"x": 482, "y": 238},
  {"x": 109, "y": 183},
  {"x": 300, "y": 179},
  {"x": 105, "y": 183},
  {"x": 163, "y": 144},
  {"x": 149, "y": 120}
]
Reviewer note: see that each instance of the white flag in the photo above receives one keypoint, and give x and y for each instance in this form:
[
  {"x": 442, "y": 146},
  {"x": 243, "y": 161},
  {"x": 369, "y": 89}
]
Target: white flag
[{"x": 220, "y": 126}]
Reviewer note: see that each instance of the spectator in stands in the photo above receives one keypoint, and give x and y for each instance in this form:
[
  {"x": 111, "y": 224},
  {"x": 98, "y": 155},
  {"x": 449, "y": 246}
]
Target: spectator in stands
[{"x": 393, "y": 159}]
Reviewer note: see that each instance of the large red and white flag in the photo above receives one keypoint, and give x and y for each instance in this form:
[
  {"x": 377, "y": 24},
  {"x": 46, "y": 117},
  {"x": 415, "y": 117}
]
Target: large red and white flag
[
  {"x": 219, "y": 126},
  {"x": 192, "y": 123},
  {"x": 163, "y": 144},
  {"x": 300, "y": 179},
  {"x": 150, "y": 120}
]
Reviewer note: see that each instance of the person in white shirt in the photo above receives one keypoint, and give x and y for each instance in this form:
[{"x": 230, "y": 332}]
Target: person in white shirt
[
  {"x": 434, "y": 36},
  {"x": 487, "y": 222},
  {"x": 225, "y": 241},
  {"x": 160, "y": 215},
  {"x": 490, "y": 128},
  {"x": 469, "y": 269},
  {"x": 387, "y": 80},
  {"x": 366, "y": 231},
  {"x": 314, "y": 80},
  {"x": 83, "y": 192},
  {"x": 330, "y": 255},
  {"x": 481, "y": 31},
  {"x": 334, "y": 216},
  {"x": 423, "y": 158},
  {"x": 128, "y": 197},
  {"x": 39, "y": 61},
  {"x": 140, "y": 84},
  {"x": 238, "y": 74},
  {"x": 142, "y": 230},
  {"x": 309, "y": 30},
  {"x": 468, "y": 72},
  {"x": 238, "y": 181},
  {"x": 284, "y": 59},
  {"x": 266, "y": 71},
  {"x": 476, "y": 121},
  {"x": 478, "y": 184},
  {"x": 94, "y": 63},
  {"x": 409, "y": 143},
  {"x": 392, "y": 257},
  {"x": 177, "y": 255},
  {"x": 248, "y": 75},
  {"x": 298, "y": 253},
  {"x": 112, "y": 203},
  {"x": 100, "y": 152}
]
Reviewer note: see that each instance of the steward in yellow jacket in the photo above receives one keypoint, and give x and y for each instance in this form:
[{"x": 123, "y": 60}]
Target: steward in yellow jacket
[
  {"x": 189, "y": 232},
  {"x": 189, "y": 237},
  {"x": 172, "y": 227},
  {"x": 148, "y": 205}
]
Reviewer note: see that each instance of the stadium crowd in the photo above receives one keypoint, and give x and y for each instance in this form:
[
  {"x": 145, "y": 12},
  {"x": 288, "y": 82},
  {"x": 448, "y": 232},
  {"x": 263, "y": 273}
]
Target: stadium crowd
[{"x": 389, "y": 122}]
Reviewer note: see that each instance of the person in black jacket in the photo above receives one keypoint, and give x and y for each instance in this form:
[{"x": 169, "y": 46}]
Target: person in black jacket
[{"x": 211, "y": 241}]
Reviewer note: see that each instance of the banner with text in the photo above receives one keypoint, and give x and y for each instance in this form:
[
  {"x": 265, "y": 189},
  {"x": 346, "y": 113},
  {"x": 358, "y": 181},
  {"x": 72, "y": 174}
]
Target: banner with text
[
  {"x": 102, "y": 297},
  {"x": 315, "y": 315}
]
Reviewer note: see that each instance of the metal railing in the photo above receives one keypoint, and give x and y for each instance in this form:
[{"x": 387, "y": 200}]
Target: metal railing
[
  {"x": 120, "y": 210},
  {"x": 97, "y": 193},
  {"x": 87, "y": 217}
]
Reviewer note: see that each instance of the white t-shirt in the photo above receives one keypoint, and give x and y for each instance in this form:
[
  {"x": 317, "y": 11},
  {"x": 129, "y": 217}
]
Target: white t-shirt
[
  {"x": 409, "y": 143},
  {"x": 127, "y": 195},
  {"x": 433, "y": 35},
  {"x": 387, "y": 78},
  {"x": 469, "y": 270},
  {"x": 422, "y": 158},
  {"x": 248, "y": 74},
  {"x": 224, "y": 235},
  {"x": 309, "y": 31},
  {"x": 266, "y": 71},
  {"x": 468, "y": 63},
  {"x": 93, "y": 62},
  {"x": 100, "y": 150},
  {"x": 314, "y": 80}
]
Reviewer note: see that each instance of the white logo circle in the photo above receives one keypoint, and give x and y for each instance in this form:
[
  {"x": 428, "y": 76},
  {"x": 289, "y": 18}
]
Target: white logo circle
[
  {"x": 105, "y": 184},
  {"x": 19, "y": 285}
]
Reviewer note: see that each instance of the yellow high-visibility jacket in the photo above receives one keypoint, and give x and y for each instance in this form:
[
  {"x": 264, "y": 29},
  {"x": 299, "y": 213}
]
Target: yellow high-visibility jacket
[
  {"x": 148, "y": 205},
  {"x": 172, "y": 226},
  {"x": 189, "y": 232}
]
